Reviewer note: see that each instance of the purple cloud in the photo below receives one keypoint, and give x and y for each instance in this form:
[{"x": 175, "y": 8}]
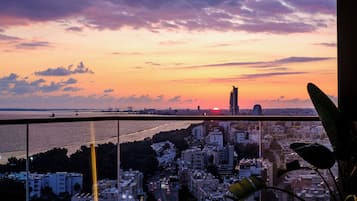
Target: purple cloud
[
  {"x": 62, "y": 71},
  {"x": 278, "y": 27},
  {"x": 92, "y": 101},
  {"x": 300, "y": 59},
  {"x": 59, "y": 71},
  {"x": 254, "y": 16},
  {"x": 14, "y": 85},
  {"x": 273, "y": 16},
  {"x": 314, "y": 6},
  {"x": 291, "y": 102},
  {"x": 32, "y": 45},
  {"x": 261, "y": 75},
  {"x": 225, "y": 64},
  {"x": 41, "y": 10},
  {"x": 149, "y": 101},
  {"x": 327, "y": 44},
  {"x": 54, "y": 86},
  {"x": 81, "y": 69},
  {"x": 70, "y": 81},
  {"x": 265, "y": 8},
  {"x": 287, "y": 102},
  {"x": 4, "y": 37},
  {"x": 237, "y": 78},
  {"x": 108, "y": 90},
  {"x": 139, "y": 99},
  {"x": 75, "y": 29},
  {"x": 263, "y": 64},
  {"x": 175, "y": 99},
  {"x": 252, "y": 76},
  {"x": 71, "y": 89}
]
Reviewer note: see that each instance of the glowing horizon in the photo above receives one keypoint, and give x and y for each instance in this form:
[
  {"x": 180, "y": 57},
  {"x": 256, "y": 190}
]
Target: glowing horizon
[{"x": 178, "y": 54}]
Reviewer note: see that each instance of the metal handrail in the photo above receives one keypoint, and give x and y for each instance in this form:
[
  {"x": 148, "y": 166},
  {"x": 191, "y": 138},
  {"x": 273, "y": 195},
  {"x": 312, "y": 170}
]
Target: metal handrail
[{"x": 160, "y": 117}]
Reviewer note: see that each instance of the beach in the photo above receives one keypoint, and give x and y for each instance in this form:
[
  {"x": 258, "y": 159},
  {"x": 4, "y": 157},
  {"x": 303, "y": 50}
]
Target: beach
[{"x": 71, "y": 136}]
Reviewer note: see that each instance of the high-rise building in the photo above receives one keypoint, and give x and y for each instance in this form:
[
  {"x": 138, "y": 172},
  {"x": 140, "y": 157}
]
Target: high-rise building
[{"x": 233, "y": 101}]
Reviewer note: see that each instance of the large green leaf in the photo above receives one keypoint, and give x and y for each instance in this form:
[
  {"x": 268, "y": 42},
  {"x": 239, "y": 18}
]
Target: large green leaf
[
  {"x": 246, "y": 187},
  {"x": 315, "y": 154},
  {"x": 339, "y": 128},
  {"x": 328, "y": 113}
]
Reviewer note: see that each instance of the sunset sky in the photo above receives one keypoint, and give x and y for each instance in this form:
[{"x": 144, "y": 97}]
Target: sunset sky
[{"x": 165, "y": 53}]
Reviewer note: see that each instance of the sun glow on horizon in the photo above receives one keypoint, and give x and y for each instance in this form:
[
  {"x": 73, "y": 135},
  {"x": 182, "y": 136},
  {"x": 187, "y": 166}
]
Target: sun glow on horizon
[{"x": 216, "y": 109}]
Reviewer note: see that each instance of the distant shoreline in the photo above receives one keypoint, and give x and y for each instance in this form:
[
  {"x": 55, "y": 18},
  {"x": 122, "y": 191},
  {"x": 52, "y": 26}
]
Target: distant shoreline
[
  {"x": 68, "y": 112},
  {"x": 114, "y": 110},
  {"x": 75, "y": 141}
]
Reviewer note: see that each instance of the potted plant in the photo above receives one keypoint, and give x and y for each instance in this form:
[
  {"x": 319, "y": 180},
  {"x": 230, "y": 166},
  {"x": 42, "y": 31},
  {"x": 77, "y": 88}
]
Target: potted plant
[{"x": 342, "y": 135}]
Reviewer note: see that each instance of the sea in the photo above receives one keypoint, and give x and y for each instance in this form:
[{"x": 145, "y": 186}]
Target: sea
[{"x": 73, "y": 135}]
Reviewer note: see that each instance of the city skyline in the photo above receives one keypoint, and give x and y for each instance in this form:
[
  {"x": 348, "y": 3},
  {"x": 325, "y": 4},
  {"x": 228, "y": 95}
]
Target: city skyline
[{"x": 179, "y": 54}]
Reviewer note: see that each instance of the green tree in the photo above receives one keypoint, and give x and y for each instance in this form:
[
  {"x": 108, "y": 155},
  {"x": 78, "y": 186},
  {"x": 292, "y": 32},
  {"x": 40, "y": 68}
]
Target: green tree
[{"x": 54, "y": 160}]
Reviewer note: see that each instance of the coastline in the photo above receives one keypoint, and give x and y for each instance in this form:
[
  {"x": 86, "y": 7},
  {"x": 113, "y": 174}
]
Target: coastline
[{"x": 75, "y": 141}]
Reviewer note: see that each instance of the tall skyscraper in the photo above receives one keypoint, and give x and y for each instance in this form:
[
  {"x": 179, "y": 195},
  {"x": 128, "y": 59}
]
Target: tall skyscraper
[{"x": 233, "y": 101}]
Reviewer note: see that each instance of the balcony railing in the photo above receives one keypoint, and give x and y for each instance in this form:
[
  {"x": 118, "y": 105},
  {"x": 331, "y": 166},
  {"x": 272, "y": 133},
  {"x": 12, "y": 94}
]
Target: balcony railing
[
  {"x": 29, "y": 126},
  {"x": 160, "y": 117}
]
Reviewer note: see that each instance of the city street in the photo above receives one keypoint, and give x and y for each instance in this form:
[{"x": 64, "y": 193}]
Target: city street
[{"x": 162, "y": 189}]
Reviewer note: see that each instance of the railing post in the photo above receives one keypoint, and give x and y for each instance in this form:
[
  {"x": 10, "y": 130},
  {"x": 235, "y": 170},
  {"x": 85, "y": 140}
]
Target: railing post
[
  {"x": 260, "y": 150},
  {"x": 27, "y": 164},
  {"x": 118, "y": 160},
  {"x": 260, "y": 139},
  {"x": 93, "y": 162}
]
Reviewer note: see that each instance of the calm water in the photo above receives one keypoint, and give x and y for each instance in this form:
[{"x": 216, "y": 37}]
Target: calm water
[{"x": 43, "y": 137}]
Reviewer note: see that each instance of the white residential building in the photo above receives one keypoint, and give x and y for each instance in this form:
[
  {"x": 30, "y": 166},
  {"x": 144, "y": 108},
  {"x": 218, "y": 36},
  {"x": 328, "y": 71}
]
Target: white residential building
[
  {"x": 223, "y": 157},
  {"x": 165, "y": 151},
  {"x": 257, "y": 167},
  {"x": 249, "y": 167},
  {"x": 132, "y": 182},
  {"x": 206, "y": 187},
  {"x": 225, "y": 125},
  {"x": 35, "y": 184},
  {"x": 194, "y": 158},
  {"x": 215, "y": 138},
  {"x": 307, "y": 184},
  {"x": 131, "y": 188},
  {"x": 198, "y": 132},
  {"x": 59, "y": 182},
  {"x": 226, "y": 160},
  {"x": 73, "y": 181}
]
